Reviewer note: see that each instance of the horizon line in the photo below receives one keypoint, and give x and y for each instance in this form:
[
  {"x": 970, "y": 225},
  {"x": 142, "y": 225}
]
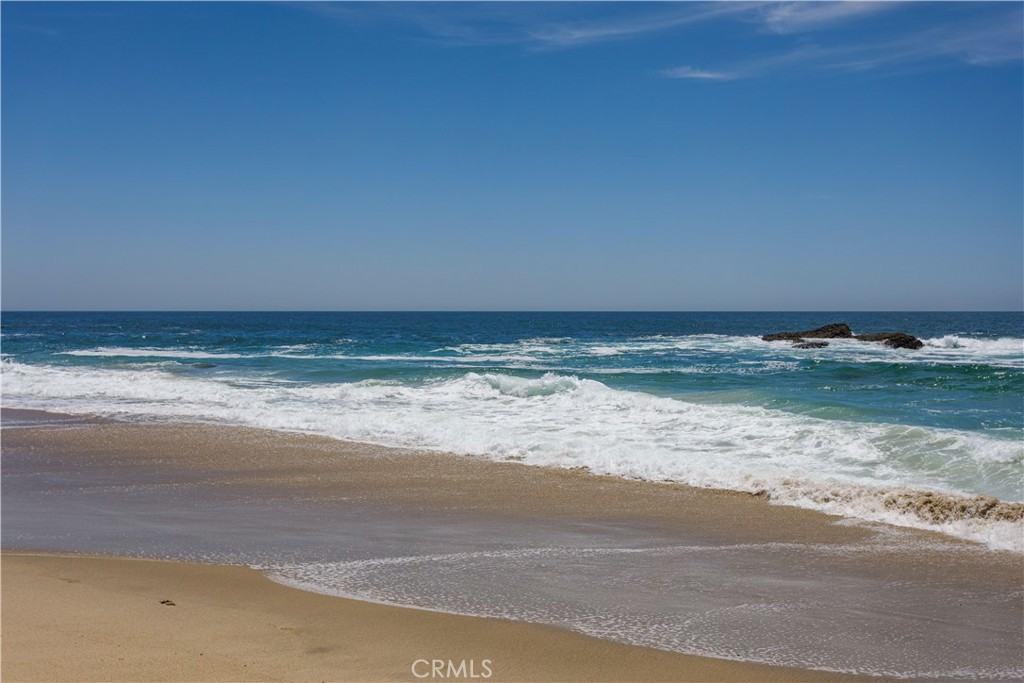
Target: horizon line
[{"x": 479, "y": 311}]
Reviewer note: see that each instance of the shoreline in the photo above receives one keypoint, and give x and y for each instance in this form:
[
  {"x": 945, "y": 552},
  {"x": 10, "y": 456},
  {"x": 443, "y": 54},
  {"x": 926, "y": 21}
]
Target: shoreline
[
  {"x": 313, "y": 464},
  {"x": 206, "y": 484},
  {"x": 78, "y": 617},
  {"x": 958, "y": 517}
]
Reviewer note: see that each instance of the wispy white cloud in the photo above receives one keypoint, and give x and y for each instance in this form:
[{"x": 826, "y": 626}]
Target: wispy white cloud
[
  {"x": 996, "y": 40},
  {"x": 535, "y": 25},
  {"x": 805, "y": 32},
  {"x": 794, "y": 17},
  {"x": 760, "y": 66},
  {"x": 689, "y": 72},
  {"x": 573, "y": 34},
  {"x": 543, "y": 25},
  {"x": 458, "y": 25}
]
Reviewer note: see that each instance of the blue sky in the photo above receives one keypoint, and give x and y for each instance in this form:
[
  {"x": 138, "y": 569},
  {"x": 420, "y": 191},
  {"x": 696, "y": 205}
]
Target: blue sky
[{"x": 507, "y": 156}]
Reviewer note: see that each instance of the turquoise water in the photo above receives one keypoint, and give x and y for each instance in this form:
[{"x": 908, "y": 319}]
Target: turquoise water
[{"x": 691, "y": 397}]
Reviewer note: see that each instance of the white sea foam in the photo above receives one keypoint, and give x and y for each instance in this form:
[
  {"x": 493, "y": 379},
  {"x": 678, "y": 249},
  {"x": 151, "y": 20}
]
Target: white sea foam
[
  {"x": 143, "y": 352},
  {"x": 1002, "y": 346},
  {"x": 294, "y": 347},
  {"x": 563, "y": 421},
  {"x": 1007, "y": 352},
  {"x": 555, "y": 353},
  {"x": 290, "y": 352}
]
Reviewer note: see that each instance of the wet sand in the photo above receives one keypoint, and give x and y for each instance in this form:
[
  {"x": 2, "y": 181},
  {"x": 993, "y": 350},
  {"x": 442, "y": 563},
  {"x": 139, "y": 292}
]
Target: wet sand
[
  {"x": 68, "y": 618},
  {"x": 325, "y": 468},
  {"x": 88, "y": 618}
]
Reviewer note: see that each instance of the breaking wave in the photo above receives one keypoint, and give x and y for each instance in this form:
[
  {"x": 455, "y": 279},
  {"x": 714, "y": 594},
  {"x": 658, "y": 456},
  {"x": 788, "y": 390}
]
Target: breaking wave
[{"x": 923, "y": 477}]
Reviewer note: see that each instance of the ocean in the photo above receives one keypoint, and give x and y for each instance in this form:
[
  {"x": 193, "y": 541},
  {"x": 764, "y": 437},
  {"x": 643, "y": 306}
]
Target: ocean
[{"x": 855, "y": 429}]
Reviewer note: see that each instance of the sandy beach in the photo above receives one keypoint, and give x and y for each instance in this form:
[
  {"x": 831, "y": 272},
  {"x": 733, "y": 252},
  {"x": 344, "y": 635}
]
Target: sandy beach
[
  {"x": 86, "y": 617},
  {"x": 512, "y": 341},
  {"x": 68, "y": 618}
]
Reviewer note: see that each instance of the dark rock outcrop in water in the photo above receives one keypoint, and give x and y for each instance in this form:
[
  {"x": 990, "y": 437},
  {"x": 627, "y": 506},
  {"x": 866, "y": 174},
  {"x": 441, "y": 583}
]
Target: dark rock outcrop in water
[
  {"x": 833, "y": 331},
  {"x": 897, "y": 340}
]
